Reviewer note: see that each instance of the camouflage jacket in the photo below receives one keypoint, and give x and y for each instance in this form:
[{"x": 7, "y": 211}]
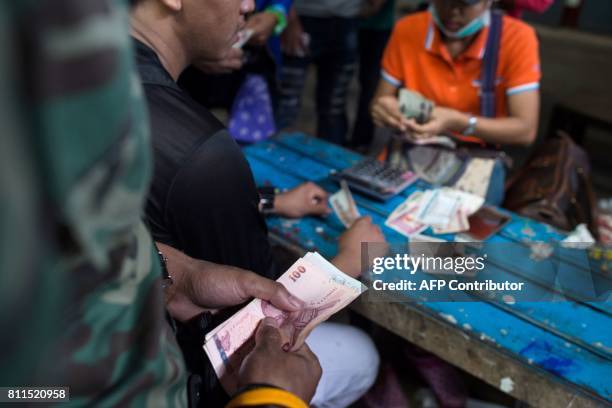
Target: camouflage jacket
[{"x": 80, "y": 294}]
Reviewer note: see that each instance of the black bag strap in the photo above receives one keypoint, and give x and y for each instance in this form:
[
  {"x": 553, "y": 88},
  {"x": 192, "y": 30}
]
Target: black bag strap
[{"x": 489, "y": 66}]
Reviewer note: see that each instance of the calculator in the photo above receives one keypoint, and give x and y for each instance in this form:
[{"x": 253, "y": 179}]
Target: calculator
[{"x": 376, "y": 179}]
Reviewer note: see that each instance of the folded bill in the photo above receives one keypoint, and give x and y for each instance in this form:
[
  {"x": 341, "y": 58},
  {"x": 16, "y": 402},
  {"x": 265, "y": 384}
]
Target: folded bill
[
  {"x": 344, "y": 206},
  {"x": 414, "y": 106},
  {"x": 321, "y": 286}
]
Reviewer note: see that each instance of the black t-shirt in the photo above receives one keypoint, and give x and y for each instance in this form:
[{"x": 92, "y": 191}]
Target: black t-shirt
[{"x": 203, "y": 199}]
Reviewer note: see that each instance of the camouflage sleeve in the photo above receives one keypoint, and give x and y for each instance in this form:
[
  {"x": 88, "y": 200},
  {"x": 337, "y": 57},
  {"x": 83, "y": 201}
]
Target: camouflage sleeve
[{"x": 80, "y": 287}]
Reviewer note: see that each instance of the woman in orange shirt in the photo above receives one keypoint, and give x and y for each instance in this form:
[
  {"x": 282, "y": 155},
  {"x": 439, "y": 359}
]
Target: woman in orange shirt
[{"x": 439, "y": 53}]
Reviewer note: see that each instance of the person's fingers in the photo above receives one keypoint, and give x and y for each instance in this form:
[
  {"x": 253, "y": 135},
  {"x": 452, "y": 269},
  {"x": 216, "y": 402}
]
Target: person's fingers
[
  {"x": 318, "y": 203},
  {"x": 307, "y": 354},
  {"x": 268, "y": 335},
  {"x": 316, "y": 190},
  {"x": 287, "y": 329},
  {"x": 417, "y": 130},
  {"x": 305, "y": 351},
  {"x": 386, "y": 116},
  {"x": 266, "y": 289}
]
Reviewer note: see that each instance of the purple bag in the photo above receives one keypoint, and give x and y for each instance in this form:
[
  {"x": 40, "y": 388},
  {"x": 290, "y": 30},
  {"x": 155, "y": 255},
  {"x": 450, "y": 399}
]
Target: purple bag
[{"x": 251, "y": 118}]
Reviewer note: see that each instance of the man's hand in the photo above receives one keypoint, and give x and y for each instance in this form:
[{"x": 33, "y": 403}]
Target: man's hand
[
  {"x": 305, "y": 199},
  {"x": 262, "y": 24},
  {"x": 297, "y": 372},
  {"x": 443, "y": 121},
  {"x": 200, "y": 286},
  {"x": 232, "y": 61},
  {"x": 292, "y": 39},
  {"x": 386, "y": 113},
  {"x": 348, "y": 259}
]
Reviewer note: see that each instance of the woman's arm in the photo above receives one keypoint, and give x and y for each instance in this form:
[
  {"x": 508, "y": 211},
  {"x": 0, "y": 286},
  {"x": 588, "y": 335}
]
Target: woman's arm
[{"x": 519, "y": 128}]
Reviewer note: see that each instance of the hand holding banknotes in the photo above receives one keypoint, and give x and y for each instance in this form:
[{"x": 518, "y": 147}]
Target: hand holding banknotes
[
  {"x": 305, "y": 199},
  {"x": 200, "y": 286},
  {"x": 442, "y": 121},
  {"x": 386, "y": 112},
  {"x": 296, "y": 371},
  {"x": 322, "y": 287}
]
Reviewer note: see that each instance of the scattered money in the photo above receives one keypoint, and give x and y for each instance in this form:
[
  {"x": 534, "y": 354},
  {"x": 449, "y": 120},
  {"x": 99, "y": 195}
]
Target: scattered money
[
  {"x": 446, "y": 210},
  {"x": 414, "y": 106},
  {"x": 344, "y": 205},
  {"x": 321, "y": 286}
]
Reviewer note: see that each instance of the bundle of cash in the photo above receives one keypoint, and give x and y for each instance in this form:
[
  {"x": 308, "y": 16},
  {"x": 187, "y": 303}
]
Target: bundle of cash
[
  {"x": 322, "y": 287},
  {"x": 344, "y": 205},
  {"x": 414, "y": 106},
  {"x": 446, "y": 210}
]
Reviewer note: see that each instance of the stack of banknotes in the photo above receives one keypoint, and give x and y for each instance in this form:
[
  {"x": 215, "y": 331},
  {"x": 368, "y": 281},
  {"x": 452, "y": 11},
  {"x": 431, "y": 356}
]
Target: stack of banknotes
[
  {"x": 414, "y": 106},
  {"x": 445, "y": 210},
  {"x": 344, "y": 206},
  {"x": 322, "y": 287}
]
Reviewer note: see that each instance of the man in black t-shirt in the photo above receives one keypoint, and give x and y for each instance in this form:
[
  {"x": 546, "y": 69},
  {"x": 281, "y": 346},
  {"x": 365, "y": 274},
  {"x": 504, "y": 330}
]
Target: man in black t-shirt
[{"x": 203, "y": 200}]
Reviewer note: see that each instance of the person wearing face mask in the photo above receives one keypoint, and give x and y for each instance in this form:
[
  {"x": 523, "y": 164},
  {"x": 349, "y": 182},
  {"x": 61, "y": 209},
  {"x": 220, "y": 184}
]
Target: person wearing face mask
[{"x": 439, "y": 54}]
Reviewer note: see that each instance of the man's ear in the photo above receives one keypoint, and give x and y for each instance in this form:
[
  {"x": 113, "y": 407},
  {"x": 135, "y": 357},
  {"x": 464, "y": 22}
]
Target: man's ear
[{"x": 174, "y": 5}]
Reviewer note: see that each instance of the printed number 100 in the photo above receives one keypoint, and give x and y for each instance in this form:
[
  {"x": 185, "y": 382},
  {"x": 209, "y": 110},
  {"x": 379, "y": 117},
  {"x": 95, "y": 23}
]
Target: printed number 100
[{"x": 295, "y": 275}]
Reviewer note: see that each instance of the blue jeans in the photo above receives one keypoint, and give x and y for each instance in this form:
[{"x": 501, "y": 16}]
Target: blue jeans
[{"x": 333, "y": 50}]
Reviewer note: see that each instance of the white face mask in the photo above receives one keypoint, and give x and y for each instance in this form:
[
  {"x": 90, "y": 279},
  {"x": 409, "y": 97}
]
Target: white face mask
[{"x": 471, "y": 28}]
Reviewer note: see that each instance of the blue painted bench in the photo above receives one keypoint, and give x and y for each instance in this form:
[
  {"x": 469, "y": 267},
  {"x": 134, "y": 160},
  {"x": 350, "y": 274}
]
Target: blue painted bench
[{"x": 546, "y": 354}]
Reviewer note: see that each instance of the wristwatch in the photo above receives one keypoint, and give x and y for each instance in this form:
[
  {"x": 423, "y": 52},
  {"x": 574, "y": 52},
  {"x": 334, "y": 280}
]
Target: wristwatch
[
  {"x": 472, "y": 122},
  {"x": 267, "y": 195},
  {"x": 166, "y": 278}
]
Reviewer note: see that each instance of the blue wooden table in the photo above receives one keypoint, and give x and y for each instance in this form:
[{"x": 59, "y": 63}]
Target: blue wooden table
[{"x": 546, "y": 354}]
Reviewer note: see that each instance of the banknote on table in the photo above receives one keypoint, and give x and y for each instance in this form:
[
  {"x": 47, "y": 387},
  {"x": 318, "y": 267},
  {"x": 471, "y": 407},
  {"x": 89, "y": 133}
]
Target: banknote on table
[
  {"x": 437, "y": 208},
  {"x": 414, "y": 106},
  {"x": 445, "y": 210},
  {"x": 402, "y": 218},
  {"x": 321, "y": 286},
  {"x": 344, "y": 205},
  {"x": 449, "y": 214}
]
